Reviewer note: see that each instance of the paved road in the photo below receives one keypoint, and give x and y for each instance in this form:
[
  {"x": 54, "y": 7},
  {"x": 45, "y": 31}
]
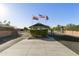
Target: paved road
[{"x": 38, "y": 47}]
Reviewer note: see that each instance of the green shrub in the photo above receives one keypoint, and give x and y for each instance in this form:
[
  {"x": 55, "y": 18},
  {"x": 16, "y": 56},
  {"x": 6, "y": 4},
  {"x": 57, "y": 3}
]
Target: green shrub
[{"x": 39, "y": 33}]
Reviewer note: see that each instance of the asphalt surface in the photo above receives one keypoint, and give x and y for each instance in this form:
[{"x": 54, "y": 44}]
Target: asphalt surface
[{"x": 69, "y": 41}]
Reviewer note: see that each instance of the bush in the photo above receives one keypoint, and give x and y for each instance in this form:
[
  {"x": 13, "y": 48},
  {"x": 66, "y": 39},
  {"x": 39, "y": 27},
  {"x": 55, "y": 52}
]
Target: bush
[{"x": 39, "y": 33}]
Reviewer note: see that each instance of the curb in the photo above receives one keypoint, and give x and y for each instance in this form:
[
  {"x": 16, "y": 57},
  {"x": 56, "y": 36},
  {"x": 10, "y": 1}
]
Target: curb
[{"x": 10, "y": 43}]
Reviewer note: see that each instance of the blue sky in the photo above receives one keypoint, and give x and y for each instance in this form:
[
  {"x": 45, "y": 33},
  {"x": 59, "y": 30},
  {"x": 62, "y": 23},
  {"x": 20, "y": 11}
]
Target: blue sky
[{"x": 20, "y": 14}]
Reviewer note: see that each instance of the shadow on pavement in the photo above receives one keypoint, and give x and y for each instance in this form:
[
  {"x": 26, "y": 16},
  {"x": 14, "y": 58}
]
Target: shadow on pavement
[
  {"x": 46, "y": 38},
  {"x": 57, "y": 37},
  {"x": 69, "y": 41},
  {"x": 65, "y": 38},
  {"x": 8, "y": 38}
]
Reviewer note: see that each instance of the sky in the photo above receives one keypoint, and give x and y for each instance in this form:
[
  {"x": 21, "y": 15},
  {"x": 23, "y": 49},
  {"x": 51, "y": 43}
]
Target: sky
[{"x": 20, "y": 14}]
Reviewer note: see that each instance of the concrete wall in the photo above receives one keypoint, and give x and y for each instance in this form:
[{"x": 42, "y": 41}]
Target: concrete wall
[
  {"x": 7, "y": 33},
  {"x": 74, "y": 33}
]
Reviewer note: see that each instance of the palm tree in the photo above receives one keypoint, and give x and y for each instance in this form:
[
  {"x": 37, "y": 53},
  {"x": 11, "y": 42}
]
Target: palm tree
[{"x": 4, "y": 21}]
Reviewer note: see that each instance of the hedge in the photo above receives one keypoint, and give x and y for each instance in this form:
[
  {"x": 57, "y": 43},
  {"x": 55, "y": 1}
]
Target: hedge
[{"x": 39, "y": 33}]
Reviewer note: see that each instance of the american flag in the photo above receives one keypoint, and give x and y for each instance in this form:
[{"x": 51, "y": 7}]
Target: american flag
[
  {"x": 47, "y": 17},
  {"x": 35, "y": 18},
  {"x": 41, "y": 16}
]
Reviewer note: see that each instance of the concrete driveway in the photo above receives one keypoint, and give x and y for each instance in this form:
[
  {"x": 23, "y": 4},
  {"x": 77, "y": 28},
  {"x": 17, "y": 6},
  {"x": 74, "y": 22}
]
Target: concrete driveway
[{"x": 38, "y": 47}]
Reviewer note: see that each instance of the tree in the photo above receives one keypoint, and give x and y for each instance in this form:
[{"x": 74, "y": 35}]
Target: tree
[
  {"x": 25, "y": 28},
  {"x": 4, "y": 21},
  {"x": 0, "y": 22},
  {"x": 70, "y": 27},
  {"x": 57, "y": 28}
]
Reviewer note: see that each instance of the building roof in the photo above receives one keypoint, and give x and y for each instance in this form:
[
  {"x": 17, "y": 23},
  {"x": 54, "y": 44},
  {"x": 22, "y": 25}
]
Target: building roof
[
  {"x": 39, "y": 24},
  {"x": 5, "y": 26}
]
